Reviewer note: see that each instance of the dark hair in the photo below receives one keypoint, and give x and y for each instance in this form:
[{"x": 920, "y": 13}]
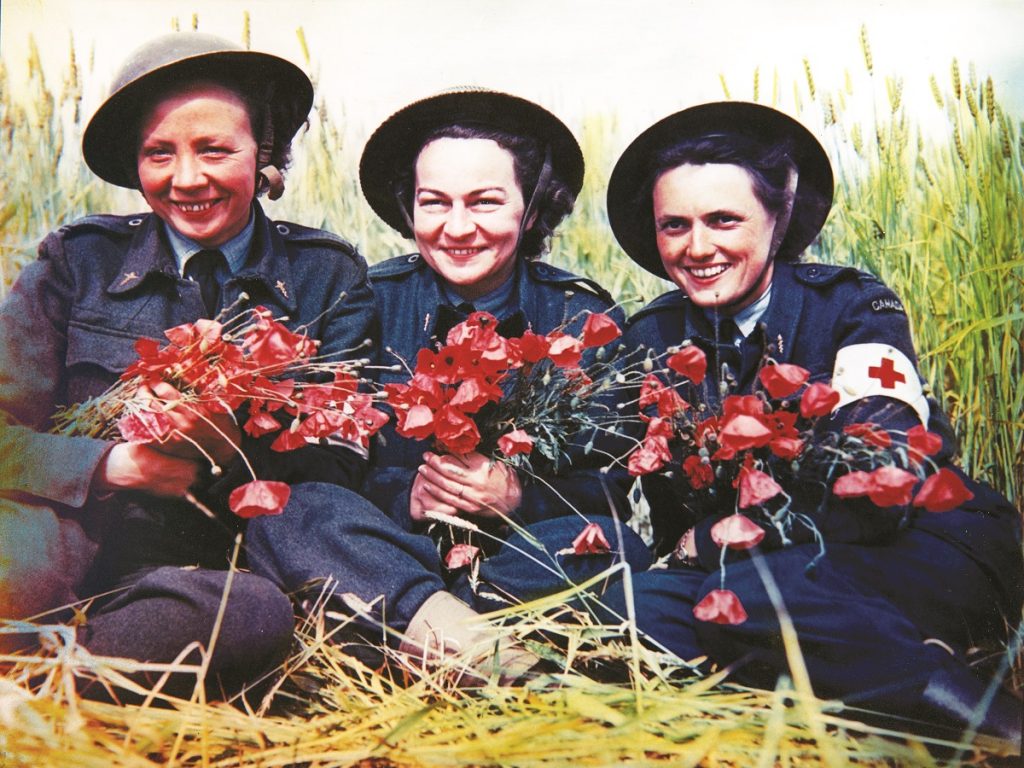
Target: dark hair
[
  {"x": 552, "y": 204},
  {"x": 267, "y": 116},
  {"x": 769, "y": 164}
]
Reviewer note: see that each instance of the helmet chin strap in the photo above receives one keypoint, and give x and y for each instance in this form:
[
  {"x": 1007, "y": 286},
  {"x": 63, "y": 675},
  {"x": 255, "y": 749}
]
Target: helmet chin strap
[
  {"x": 778, "y": 235},
  {"x": 538, "y": 189},
  {"x": 268, "y": 177}
]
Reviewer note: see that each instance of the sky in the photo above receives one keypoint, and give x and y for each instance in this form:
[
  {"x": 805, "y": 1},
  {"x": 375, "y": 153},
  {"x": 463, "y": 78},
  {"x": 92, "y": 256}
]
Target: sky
[{"x": 636, "y": 60}]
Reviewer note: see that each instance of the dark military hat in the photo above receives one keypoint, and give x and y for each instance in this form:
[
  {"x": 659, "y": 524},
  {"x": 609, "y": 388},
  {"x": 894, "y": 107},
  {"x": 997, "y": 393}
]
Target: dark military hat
[
  {"x": 393, "y": 147},
  {"x": 630, "y": 216},
  {"x": 172, "y": 59}
]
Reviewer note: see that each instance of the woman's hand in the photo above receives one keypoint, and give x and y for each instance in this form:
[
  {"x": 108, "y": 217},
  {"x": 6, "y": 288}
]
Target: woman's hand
[
  {"x": 217, "y": 434},
  {"x": 138, "y": 467},
  {"x": 468, "y": 484}
]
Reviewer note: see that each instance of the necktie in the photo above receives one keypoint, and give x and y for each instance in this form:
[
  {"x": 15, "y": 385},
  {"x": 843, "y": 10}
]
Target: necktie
[
  {"x": 202, "y": 269},
  {"x": 728, "y": 332}
]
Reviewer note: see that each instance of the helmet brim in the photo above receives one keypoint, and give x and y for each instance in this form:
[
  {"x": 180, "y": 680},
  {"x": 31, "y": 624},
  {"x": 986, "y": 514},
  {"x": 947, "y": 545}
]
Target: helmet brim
[
  {"x": 108, "y": 149},
  {"x": 392, "y": 148},
  {"x": 629, "y": 212}
]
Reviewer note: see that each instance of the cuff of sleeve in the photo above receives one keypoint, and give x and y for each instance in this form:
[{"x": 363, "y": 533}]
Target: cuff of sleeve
[{"x": 52, "y": 467}]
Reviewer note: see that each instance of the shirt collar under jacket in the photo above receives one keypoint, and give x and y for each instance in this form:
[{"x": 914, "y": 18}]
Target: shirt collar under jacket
[
  {"x": 746, "y": 319},
  {"x": 235, "y": 250},
  {"x": 497, "y": 302}
]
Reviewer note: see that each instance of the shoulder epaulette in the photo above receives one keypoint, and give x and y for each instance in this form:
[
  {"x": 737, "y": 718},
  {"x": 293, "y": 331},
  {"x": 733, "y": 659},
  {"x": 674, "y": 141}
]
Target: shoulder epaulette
[
  {"x": 672, "y": 300},
  {"x": 827, "y": 274},
  {"x": 122, "y": 225},
  {"x": 548, "y": 273},
  {"x": 300, "y": 234},
  {"x": 396, "y": 266}
]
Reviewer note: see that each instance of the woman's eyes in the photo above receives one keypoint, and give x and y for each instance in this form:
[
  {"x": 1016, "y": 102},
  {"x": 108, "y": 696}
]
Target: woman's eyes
[{"x": 674, "y": 225}]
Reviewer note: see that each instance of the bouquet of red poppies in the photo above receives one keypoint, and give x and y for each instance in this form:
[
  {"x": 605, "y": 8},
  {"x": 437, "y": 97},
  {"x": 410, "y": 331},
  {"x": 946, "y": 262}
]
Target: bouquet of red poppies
[
  {"x": 251, "y": 360},
  {"x": 513, "y": 399},
  {"x": 762, "y": 450}
]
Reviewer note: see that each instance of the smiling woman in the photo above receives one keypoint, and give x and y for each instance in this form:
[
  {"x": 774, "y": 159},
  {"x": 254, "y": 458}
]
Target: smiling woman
[
  {"x": 197, "y": 162},
  {"x": 467, "y": 213},
  {"x": 201, "y": 127},
  {"x": 886, "y": 601}
]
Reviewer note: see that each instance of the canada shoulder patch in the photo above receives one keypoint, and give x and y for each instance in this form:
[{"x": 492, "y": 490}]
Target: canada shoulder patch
[{"x": 888, "y": 304}]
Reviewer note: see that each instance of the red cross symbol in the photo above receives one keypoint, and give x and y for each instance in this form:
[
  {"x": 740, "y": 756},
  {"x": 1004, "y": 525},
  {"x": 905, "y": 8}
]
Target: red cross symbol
[{"x": 887, "y": 374}]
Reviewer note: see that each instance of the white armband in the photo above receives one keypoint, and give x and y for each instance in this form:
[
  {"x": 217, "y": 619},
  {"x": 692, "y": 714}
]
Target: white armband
[{"x": 878, "y": 370}]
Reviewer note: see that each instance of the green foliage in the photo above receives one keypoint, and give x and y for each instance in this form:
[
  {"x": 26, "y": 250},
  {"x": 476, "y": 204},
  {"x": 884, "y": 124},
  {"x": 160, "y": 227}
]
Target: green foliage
[{"x": 937, "y": 216}]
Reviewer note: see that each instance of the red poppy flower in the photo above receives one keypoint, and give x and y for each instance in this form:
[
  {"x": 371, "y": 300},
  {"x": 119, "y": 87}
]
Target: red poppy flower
[
  {"x": 599, "y": 329},
  {"x": 649, "y": 457},
  {"x": 921, "y": 443},
  {"x": 456, "y": 432},
  {"x": 417, "y": 422},
  {"x": 659, "y": 427},
  {"x": 892, "y": 486},
  {"x": 818, "y": 400},
  {"x": 260, "y": 497},
  {"x": 852, "y": 485},
  {"x": 460, "y": 556},
  {"x": 650, "y": 389},
  {"x": 698, "y": 472},
  {"x": 942, "y": 492},
  {"x": 144, "y": 427},
  {"x": 591, "y": 541},
  {"x": 720, "y": 606},
  {"x": 479, "y": 329},
  {"x": 737, "y": 532},
  {"x": 473, "y": 394},
  {"x": 787, "y": 448},
  {"x": 515, "y": 442},
  {"x": 441, "y": 366},
  {"x": 272, "y": 347},
  {"x": 782, "y": 380},
  {"x": 756, "y": 487},
  {"x": 742, "y": 432},
  {"x": 751, "y": 405},
  {"x": 871, "y": 434},
  {"x": 288, "y": 440},
  {"x": 532, "y": 347},
  {"x": 261, "y": 423},
  {"x": 565, "y": 351},
  {"x": 203, "y": 333},
  {"x": 691, "y": 362}
]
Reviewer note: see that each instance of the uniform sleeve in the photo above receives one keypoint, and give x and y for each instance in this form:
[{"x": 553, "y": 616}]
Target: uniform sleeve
[{"x": 33, "y": 333}]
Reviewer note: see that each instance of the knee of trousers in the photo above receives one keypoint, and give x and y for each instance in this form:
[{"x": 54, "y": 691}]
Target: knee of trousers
[
  {"x": 258, "y": 624},
  {"x": 171, "y": 608},
  {"x": 43, "y": 559}
]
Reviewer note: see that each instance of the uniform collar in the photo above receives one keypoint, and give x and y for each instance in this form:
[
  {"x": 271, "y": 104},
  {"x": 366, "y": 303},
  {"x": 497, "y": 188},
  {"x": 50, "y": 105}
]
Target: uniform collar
[
  {"x": 783, "y": 314},
  {"x": 150, "y": 254},
  {"x": 235, "y": 250}
]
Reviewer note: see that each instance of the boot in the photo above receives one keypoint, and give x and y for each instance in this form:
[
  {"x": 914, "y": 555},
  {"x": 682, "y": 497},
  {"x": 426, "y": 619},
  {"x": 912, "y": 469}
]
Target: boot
[
  {"x": 445, "y": 628},
  {"x": 953, "y": 696}
]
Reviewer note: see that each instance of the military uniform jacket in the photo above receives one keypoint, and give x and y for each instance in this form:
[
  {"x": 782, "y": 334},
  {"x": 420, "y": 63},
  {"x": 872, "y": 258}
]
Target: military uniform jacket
[
  {"x": 68, "y": 329},
  {"x": 414, "y": 315},
  {"x": 816, "y": 310}
]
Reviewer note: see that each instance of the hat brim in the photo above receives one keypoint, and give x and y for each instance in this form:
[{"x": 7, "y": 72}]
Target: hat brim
[
  {"x": 392, "y": 148},
  {"x": 631, "y": 221},
  {"x": 110, "y": 152}
]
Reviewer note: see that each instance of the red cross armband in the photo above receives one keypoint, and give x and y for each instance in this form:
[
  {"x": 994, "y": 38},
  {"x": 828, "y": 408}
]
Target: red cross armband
[{"x": 878, "y": 370}]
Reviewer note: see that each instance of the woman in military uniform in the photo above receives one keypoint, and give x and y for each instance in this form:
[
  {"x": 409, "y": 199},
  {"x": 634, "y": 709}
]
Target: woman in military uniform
[
  {"x": 721, "y": 199},
  {"x": 479, "y": 179},
  {"x": 200, "y": 127}
]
